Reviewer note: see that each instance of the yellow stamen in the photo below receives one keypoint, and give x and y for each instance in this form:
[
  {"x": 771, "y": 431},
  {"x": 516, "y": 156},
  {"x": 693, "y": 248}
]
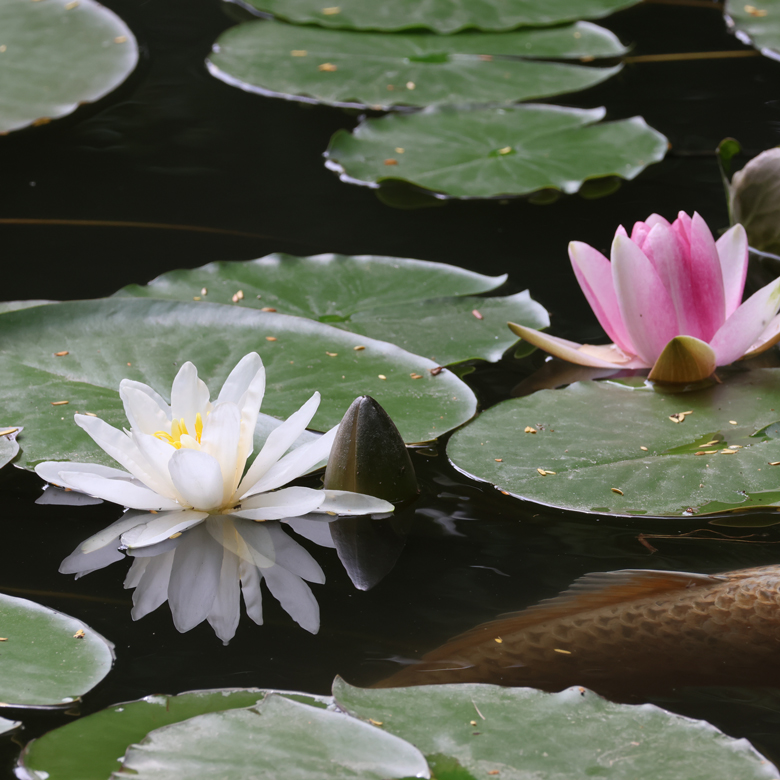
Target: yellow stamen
[{"x": 198, "y": 426}]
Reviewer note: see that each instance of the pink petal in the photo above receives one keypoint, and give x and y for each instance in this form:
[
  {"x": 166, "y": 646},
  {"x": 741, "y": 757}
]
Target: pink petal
[
  {"x": 706, "y": 299},
  {"x": 575, "y": 353},
  {"x": 641, "y": 230},
  {"x": 594, "y": 274},
  {"x": 767, "y": 339},
  {"x": 732, "y": 249},
  {"x": 645, "y": 305},
  {"x": 740, "y": 331}
]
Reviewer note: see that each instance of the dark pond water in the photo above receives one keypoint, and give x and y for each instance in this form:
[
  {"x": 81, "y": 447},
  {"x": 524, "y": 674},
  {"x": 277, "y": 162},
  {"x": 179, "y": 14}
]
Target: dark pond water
[{"x": 174, "y": 146}]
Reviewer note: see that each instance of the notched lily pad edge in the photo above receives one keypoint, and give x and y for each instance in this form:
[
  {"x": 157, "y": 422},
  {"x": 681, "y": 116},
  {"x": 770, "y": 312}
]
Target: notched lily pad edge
[{"x": 743, "y": 37}]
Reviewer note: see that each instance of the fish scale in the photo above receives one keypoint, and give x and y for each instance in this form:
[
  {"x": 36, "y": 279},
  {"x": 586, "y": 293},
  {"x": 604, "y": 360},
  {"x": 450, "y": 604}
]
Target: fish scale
[{"x": 624, "y": 634}]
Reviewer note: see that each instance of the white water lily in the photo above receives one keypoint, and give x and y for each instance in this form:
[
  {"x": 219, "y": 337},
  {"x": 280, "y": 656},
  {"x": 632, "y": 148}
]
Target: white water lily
[{"x": 188, "y": 460}]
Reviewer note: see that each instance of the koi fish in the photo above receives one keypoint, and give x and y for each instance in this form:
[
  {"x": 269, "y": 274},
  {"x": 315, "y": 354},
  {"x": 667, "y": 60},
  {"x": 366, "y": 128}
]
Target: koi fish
[{"x": 624, "y": 634}]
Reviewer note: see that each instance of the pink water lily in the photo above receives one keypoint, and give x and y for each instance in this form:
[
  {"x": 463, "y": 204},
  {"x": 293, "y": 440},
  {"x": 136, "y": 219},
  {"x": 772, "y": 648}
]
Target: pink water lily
[{"x": 670, "y": 300}]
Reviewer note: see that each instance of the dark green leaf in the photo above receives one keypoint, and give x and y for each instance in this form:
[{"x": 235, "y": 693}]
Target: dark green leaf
[
  {"x": 57, "y": 54},
  {"x": 489, "y": 153},
  {"x": 443, "y": 16},
  {"x": 592, "y": 433},
  {"x": 339, "y": 67},
  {"x": 757, "y": 23}
]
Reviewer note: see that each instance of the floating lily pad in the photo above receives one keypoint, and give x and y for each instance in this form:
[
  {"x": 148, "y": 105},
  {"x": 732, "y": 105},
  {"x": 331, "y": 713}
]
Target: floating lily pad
[
  {"x": 443, "y": 16},
  {"x": 757, "y": 24},
  {"x": 89, "y": 748},
  {"x": 277, "y": 736},
  {"x": 148, "y": 340},
  {"x": 472, "y": 731},
  {"x": 48, "y": 659},
  {"x": 488, "y": 153},
  {"x": 6, "y": 306},
  {"x": 610, "y": 448},
  {"x": 339, "y": 67},
  {"x": 389, "y": 298},
  {"x": 57, "y": 54},
  {"x": 9, "y": 447}
]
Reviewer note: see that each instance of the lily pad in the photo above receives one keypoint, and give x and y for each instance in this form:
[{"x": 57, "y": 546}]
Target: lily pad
[
  {"x": 442, "y": 16},
  {"x": 6, "y": 306},
  {"x": 278, "y": 735},
  {"x": 9, "y": 447},
  {"x": 89, "y": 748},
  {"x": 344, "y": 68},
  {"x": 57, "y": 54},
  {"x": 611, "y": 448},
  {"x": 472, "y": 731},
  {"x": 389, "y": 298},
  {"x": 48, "y": 659},
  {"x": 495, "y": 152},
  {"x": 756, "y": 24},
  {"x": 148, "y": 340}
]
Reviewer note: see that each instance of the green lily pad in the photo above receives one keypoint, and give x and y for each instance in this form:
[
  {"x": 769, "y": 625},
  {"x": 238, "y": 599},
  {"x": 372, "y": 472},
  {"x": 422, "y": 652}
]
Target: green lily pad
[
  {"x": 148, "y": 340},
  {"x": 522, "y": 732},
  {"x": 277, "y": 736},
  {"x": 442, "y": 16},
  {"x": 48, "y": 659},
  {"x": 495, "y": 152},
  {"x": 757, "y": 24},
  {"x": 57, "y": 54},
  {"x": 9, "y": 447},
  {"x": 6, "y": 306},
  {"x": 610, "y": 448},
  {"x": 338, "y": 67},
  {"x": 389, "y": 298},
  {"x": 89, "y": 748}
]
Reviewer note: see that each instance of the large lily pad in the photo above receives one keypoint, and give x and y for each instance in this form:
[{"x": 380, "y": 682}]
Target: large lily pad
[
  {"x": 471, "y": 731},
  {"x": 426, "y": 308},
  {"x": 278, "y": 736},
  {"x": 443, "y": 16},
  {"x": 55, "y": 55},
  {"x": 612, "y": 448},
  {"x": 338, "y": 67},
  {"x": 482, "y": 154},
  {"x": 757, "y": 24},
  {"x": 89, "y": 748},
  {"x": 148, "y": 340},
  {"x": 48, "y": 659}
]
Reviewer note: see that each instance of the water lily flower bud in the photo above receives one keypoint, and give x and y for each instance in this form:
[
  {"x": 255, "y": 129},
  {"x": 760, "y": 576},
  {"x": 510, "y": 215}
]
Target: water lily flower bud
[
  {"x": 755, "y": 200},
  {"x": 369, "y": 456},
  {"x": 670, "y": 298}
]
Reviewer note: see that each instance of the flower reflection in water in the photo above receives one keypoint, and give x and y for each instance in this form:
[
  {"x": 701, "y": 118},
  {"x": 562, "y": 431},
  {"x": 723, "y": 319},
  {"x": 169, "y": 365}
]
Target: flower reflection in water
[{"x": 204, "y": 572}]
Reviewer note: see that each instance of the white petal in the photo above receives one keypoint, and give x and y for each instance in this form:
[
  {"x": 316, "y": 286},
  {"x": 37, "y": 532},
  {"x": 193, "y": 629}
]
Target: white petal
[
  {"x": 258, "y": 544},
  {"x": 119, "y": 491},
  {"x": 162, "y": 527},
  {"x": 317, "y": 531},
  {"x": 123, "y": 450},
  {"x": 294, "y": 464},
  {"x": 134, "y": 574},
  {"x": 189, "y": 396},
  {"x": 157, "y": 454},
  {"x": 226, "y": 607},
  {"x": 288, "y": 502},
  {"x": 220, "y": 439},
  {"x": 198, "y": 477},
  {"x": 152, "y": 590},
  {"x": 241, "y": 378},
  {"x": 81, "y": 563},
  {"x": 344, "y": 502},
  {"x": 278, "y": 442},
  {"x": 50, "y": 471},
  {"x": 197, "y": 564},
  {"x": 291, "y": 556},
  {"x": 145, "y": 409},
  {"x": 295, "y": 596},
  {"x": 250, "y": 589},
  {"x": 129, "y": 520}
]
